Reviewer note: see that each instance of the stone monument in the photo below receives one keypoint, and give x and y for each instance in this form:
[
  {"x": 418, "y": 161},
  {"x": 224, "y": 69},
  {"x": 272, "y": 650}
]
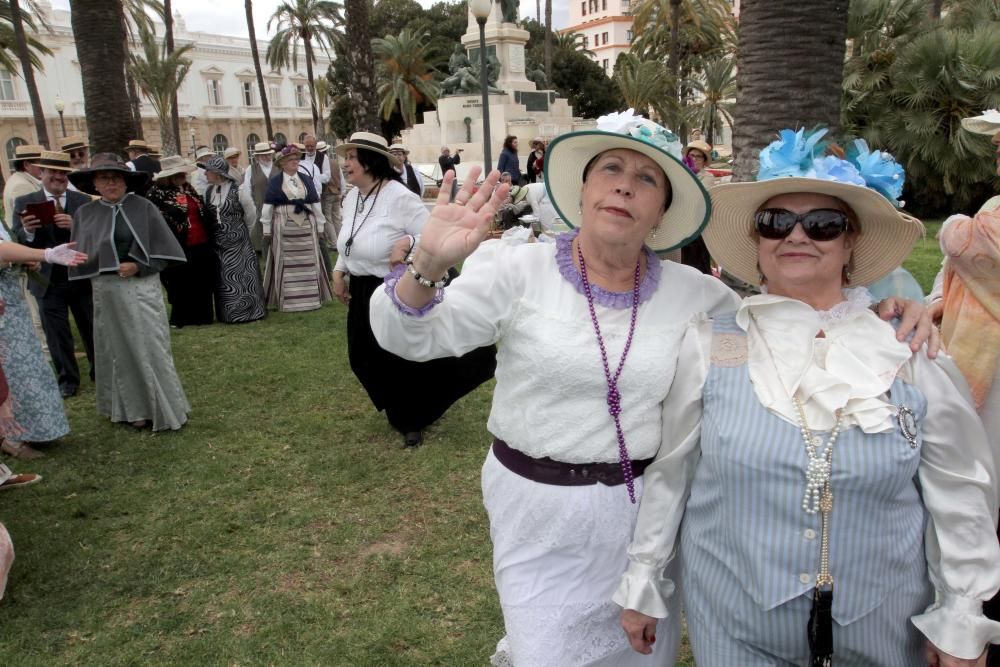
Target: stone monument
[{"x": 519, "y": 105}]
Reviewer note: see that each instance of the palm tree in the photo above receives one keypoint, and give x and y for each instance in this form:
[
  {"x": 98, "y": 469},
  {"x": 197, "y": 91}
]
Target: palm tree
[
  {"x": 643, "y": 84},
  {"x": 790, "y": 64},
  {"x": 714, "y": 89},
  {"x": 571, "y": 41},
  {"x": 168, "y": 25},
  {"x": 27, "y": 65},
  {"x": 364, "y": 101},
  {"x": 248, "y": 6},
  {"x": 312, "y": 21},
  {"x": 407, "y": 77},
  {"x": 101, "y": 52},
  {"x": 548, "y": 41},
  {"x": 159, "y": 75},
  {"x": 8, "y": 44},
  {"x": 134, "y": 14}
]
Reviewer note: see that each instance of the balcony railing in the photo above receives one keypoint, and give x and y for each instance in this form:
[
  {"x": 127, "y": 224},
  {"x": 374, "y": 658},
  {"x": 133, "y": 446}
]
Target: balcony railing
[{"x": 15, "y": 107}]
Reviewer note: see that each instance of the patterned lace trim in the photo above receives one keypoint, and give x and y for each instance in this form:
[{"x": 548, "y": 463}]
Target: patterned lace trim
[
  {"x": 606, "y": 298},
  {"x": 856, "y": 300},
  {"x": 390, "y": 288},
  {"x": 729, "y": 350}
]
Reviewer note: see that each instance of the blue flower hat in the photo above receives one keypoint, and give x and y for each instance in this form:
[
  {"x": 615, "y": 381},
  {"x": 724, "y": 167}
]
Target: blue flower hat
[
  {"x": 568, "y": 154},
  {"x": 868, "y": 181}
]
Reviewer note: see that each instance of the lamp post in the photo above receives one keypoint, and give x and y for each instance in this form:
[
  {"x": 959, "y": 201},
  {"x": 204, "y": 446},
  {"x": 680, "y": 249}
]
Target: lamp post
[
  {"x": 191, "y": 136},
  {"x": 60, "y": 107},
  {"x": 481, "y": 10}
]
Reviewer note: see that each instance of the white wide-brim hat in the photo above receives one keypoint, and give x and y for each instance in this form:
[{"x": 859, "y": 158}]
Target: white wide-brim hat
[
  {"x": 887, "y": 234},
  {"x": 568, "y": 155},
  {"x": 172, "y": 165},
  {"x": 986, "y": 123},
  {"x": 263, "y": 148},
  {"x": 230, "y": 152},
  {"x": 370, "y": 142}
]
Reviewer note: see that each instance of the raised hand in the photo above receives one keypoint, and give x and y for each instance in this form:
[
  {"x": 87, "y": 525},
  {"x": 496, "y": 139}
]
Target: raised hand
[
  {"x": 455, "y": 230},
  {"x": 65, "y": 255}
]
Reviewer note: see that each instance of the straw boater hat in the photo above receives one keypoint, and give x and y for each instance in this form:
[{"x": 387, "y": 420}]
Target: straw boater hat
[
  {"x": 368, "y": 141},
  {"x": 217, "y": 165},
  {"x": 83, "y": 179},
  {"x": 322, "y": 146},
  {"x": 154, "y": 150},
  {"x": 699, "y": 145},
  {"x": 173, "y": 165},
  {"x": 263, "y": 148},
  {"x": 231, "y": 152},
  {"x": 56, "y": 161},
  {"x": 137, "y": 145},
  {"x": 27, "y": 152},
  {"x": 398, "y": 147},
  {"x": 870, "y": 182},
  {"x": 987, "y": 123},
  {"x": 569, "y": 154},
  {"x": 203, "y": 152},
  {"x": 72, "y": 143}
]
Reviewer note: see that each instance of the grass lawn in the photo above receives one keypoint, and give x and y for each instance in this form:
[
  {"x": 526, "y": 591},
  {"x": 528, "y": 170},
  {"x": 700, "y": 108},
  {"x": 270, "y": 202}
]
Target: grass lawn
[{"x": 282, "y": 526}]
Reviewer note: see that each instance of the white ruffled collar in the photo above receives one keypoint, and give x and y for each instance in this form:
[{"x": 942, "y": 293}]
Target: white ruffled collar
[{"x": 850, "y": 368}]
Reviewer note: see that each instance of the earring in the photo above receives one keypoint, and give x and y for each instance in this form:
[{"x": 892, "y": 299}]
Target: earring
[
  {"x": 846, "y": 274},
  {"x": 761, "y": 279}
]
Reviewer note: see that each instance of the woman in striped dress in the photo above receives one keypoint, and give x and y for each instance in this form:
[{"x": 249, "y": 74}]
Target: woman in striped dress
[
  {"x": 239, "y": 294},
  {"x": 295, "y": 278},
  {"x": 838, "y": 491}
]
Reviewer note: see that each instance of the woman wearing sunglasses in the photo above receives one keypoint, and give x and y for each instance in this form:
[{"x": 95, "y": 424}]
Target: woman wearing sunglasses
[{"x": 837, "y": 490}]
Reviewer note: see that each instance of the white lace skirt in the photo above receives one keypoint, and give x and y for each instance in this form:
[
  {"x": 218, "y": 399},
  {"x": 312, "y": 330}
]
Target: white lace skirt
[{"x": 558, "y": 555}]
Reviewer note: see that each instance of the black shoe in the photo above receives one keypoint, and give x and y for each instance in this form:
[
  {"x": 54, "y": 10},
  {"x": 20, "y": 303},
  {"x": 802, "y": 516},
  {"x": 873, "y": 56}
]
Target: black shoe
[
  {"x": 67, "y": 391},
  {"x": 413, "y": 439}
]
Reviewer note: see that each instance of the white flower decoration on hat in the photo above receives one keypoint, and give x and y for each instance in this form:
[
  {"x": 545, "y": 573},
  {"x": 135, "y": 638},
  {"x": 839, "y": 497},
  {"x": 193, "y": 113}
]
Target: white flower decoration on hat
[{"x": 642, "y": 129}]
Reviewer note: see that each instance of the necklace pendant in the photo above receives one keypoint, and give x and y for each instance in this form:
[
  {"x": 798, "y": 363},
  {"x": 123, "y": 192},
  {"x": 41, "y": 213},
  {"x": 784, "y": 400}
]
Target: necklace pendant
[{"x": 907, "y": 425}]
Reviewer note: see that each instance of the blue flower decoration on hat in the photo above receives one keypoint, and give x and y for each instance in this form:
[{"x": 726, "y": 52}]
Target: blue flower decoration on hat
[
  {"x": 643, "y": 129},
  {"x": 803, "y": 155}
]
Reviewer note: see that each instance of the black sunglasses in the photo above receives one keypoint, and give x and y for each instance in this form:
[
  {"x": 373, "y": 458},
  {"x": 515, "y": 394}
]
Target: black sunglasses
[{"x": 821, "y": 224}]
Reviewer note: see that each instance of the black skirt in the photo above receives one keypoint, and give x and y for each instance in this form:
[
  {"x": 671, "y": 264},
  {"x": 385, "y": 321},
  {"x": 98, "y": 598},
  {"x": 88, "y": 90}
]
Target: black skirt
[
  {"x": 412, "y": 394},
  {"x": 191, "y": 286}
]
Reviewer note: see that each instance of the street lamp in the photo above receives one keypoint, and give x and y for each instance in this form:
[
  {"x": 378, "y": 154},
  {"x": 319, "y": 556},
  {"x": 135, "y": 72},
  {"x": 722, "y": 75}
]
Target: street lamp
[
  {"x": 60, "y": 107},
  {"x": 481, "y": 10},
  {"x": 191, "y": 134}
]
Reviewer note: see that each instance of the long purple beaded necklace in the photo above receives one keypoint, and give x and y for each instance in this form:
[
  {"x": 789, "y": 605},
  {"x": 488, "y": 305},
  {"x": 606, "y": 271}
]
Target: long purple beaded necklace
[{"x": 614, "y": 396}]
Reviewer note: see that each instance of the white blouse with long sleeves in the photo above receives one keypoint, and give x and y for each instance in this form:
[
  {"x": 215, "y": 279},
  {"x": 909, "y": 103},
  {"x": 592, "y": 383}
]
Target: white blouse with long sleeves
[
  {"x": 375, "y": 223},
  {"x": 957, "y": 471},
  {"x": 551, "y": 393},
  {"x": 294, "y": 188}
]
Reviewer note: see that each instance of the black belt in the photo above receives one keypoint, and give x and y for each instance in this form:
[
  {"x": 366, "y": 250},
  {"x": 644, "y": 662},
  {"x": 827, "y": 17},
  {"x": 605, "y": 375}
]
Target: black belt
[{"x": 559, "y": 473}]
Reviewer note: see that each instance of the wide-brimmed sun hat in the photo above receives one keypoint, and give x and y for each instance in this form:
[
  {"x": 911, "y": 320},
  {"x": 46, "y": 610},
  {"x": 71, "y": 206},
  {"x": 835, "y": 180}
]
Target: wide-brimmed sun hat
[
  {"x": 202, "y": 152},
  {"x": 217, "y": 165},
  {"x": 84, "y": 178},
  {"x": 173, "y": 165},
  {"x": 568, "y": 155},
  {"x": 869, "y": 182},
  {"x": 263, "y": 148},
  {"x": 72, "y": 144},
  {"x": 55, "y": 160},
  {"x": 987, "y": 123},
  {"x": 368, "y": 141},
  {"x": 290, "y": 151},
  {"x": 699, "y": 145},
  {"x": 27, "y": 152}
]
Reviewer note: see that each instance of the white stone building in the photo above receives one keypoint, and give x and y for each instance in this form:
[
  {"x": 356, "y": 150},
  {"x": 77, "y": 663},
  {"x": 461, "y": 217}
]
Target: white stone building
[{"x": 218, "y": 102}]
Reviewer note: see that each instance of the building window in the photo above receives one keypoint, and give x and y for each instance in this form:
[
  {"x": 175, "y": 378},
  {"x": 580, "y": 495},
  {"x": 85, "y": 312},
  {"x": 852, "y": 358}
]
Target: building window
[
  {"x": 583, "y": 9},
  {"x": 220, "y": 143},
  {"x": 605, "y": 37},
  {"x": 247, "y": 87},
  {"x": 604, "y": 5},
  {"x": 281, "y": 139},
  {"x": 214, "y": 91},
  {"x": 301, "y": 95},
  {"x": 302, "y": 137},
  {"x": 6, "y": 85},
  {"x": 252, "y": 140},
  {"x": 274, "y": 94},
  {"x": 12, "y": 147},
  {"x": 628, "y": 36}
]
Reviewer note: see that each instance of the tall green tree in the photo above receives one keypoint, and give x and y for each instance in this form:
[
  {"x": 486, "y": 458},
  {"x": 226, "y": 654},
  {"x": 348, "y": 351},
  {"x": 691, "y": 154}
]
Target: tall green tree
[
  {"x": 8, "y": 43},
  {"x": 643, "y": 84},
  {"x": 790, "y": 65},
  {"x": 361, "y": 92},
  {"x": 17, "y": 21},
  {"x": 255, "y": 53},
  {"x": 102, "y": 55},
  {"x": 314, "y": 22},
  {"x": 407, "y": 78},
  {"x": 159, "y": 75},
  {"x": 714, "y": 99}
]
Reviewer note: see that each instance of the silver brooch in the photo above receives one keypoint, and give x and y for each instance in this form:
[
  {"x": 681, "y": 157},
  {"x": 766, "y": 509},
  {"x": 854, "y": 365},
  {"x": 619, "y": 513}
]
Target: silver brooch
[{"x": 907, "y": 425}]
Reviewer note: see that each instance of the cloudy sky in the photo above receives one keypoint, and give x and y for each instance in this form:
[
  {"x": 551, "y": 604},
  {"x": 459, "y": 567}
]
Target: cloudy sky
[{"x": 227, "y": 17}]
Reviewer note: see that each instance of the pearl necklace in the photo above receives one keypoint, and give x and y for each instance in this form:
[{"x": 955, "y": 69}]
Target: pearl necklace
[{"x": 820, "y": 460}]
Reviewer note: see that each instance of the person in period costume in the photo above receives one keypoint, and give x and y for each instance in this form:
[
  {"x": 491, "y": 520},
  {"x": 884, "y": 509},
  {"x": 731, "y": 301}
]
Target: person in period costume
[
  {"x": 128, "y": 243},
  {"x": 76, "y": 147},
  {"x": 139, "y": 158},
  {"x": 588, "y": 331},
  {"x": 232, "y": 158},
  {"x": 295, "y": 277},
  {"x": 407, "y": 174},
  {"x": 57, "y": 296},
  {"x": 154, "y": 151},
  {"x": 447, "y": 162},
  {"x": 27, "y": 178},
  {"x": 191, "y": 284},
  {"x": 536, "y": 160},
  {"x": 33, "y": 411},
  {"x": 255, "y": 182},
  {"x": 199, "y": 180},
  {"x": 818, "y": 463},
  {"x": 332, "y": 194},
  {"x": 382, "y": 220},
  {"x": 509, "y": 163},
  {"x": 239, "y": 294}
]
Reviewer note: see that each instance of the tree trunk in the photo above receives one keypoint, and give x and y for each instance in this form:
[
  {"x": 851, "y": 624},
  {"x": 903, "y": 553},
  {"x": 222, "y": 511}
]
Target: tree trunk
[
  {"x": 538, "y": 11},
  {"x": 170, "y": 144},
  {"x": 135, "y": 115},
  {"x": 934, "y": 9},
  {"x": 675, "y": 48},
  {"x": 548, "y": 43},
  {"x": 175, "y": 120},
  {"x": 101, "y": 53},
  {"x": 29, "y": 73},
  {"x": 260, "y": 73},
  {"x": 364, "y": 102},
  {"x": 312, "y": 84},
  {"x": 810, "y": 70}
]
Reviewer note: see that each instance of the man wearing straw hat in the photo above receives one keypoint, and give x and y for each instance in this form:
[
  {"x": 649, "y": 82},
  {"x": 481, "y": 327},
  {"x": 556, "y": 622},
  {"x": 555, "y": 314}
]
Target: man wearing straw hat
[
  {"x": 411, "y": 179},
  {"x": 139, "y": 158},
  {"x": 25, "y": 179},
  {"x": 232, "y": 157},
  {"x": 57, "y": 296},
  {"x": 255, "y": 180},
  {"x": 76, "y": 148},
  {"x": 199, "y": 180}
]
